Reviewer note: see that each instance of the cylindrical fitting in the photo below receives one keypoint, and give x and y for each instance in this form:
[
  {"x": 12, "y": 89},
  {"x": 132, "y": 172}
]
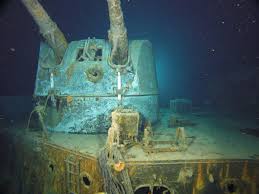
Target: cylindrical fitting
[
  {"x": 117, "y": 34},
  {"x": 49, "y": 30}
]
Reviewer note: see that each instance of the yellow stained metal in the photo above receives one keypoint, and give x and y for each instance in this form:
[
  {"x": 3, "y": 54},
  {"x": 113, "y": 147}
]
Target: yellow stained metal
[
  {"x": 88, "y": 165},
  {"x": 245, "y": 177},
  {"x": 200, "y": 178},
  {"x": 253, "y": 185},
  {"x": 199, "y": 182},
  {"x": 41, "y": 168}
]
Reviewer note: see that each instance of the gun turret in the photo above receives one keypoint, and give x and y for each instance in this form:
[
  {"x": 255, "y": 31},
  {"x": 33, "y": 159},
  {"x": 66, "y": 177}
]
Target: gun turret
[
  {"x": 117, "y": 34},
  {"x": 95, "y": 77},
  {"x": 49, "y": 30}
]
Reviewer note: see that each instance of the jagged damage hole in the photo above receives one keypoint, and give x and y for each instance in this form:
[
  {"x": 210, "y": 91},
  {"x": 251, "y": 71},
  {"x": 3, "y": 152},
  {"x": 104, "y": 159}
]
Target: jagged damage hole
[
  {"x": 86, "y": 181},
  {"x": 231, "y": 187},
  {"x": 51, "y": 167},
  {"x": 156, "y": 190},
  {"x": 79, "y": 55},
  {"x": 97, "y": 56}
]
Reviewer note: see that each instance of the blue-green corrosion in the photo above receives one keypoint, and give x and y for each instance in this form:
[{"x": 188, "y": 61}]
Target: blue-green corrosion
[{"x": 92, "y": 102}]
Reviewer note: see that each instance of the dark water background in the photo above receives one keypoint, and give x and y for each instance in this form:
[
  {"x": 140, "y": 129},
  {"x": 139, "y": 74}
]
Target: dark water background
[{"x": 205, "y": 50}]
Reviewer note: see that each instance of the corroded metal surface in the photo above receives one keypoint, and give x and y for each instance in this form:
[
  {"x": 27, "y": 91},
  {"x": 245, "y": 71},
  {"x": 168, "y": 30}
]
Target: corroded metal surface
[
  {"x": 195, "y": 177},
  {"x": 49, "y": 30},
  {"x": 40, "y": 167},
  {"x": 84, "y": 105},
  {"x": 117, "y": 34},
  {"x": 124, "y": 127}
]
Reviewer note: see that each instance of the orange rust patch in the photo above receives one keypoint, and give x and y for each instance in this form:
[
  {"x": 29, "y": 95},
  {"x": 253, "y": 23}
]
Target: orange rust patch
[
  {"x": 69, "y": 99},
  {"x": 245, "y": 177},
  {"x": 119, "y": 166},
  {"x": 200, "y": 179},
  {"x": 253, "y": 185}
]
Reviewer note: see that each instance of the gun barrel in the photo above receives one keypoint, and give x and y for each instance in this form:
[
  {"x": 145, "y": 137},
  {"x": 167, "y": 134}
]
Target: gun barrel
[
  {"x": 117, "y": 33},
  {"x": 49, "y": 30}
]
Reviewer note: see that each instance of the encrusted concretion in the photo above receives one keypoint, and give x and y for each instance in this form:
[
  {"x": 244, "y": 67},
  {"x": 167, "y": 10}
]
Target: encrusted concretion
[
  {"x": 49, "y": 30},
  {"x": 124, "y": 127},
  {"x": 117, "y": 34},
  {"x": 85, "y": 86}
]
